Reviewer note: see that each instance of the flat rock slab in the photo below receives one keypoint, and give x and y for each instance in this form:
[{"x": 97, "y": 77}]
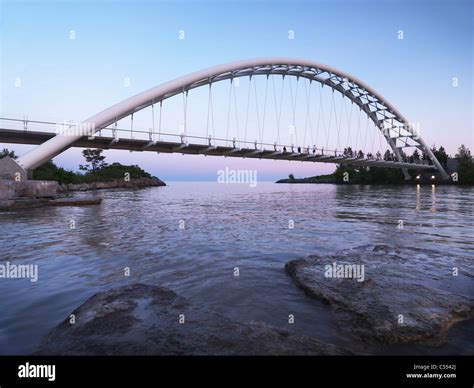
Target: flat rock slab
[
  {"x": 140, "y": 319},
  {"x": 407, "y": 295}
]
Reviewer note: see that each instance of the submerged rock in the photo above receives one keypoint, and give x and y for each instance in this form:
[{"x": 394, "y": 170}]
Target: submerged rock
[
  {"x": 140, "y": 319},
  {"x": 395, "y": 295}
]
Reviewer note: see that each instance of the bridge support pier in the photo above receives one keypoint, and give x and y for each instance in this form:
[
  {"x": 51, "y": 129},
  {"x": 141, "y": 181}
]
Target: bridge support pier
[
  {"x": 15, "y": 185},
  {"x": 11, "y": 170}
]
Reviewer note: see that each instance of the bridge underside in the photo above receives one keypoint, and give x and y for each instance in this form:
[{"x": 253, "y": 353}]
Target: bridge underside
[{"x": 36, "y": 138}]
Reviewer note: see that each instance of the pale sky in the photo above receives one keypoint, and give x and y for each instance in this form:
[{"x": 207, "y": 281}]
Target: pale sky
[{"x": 72, "y": 79}]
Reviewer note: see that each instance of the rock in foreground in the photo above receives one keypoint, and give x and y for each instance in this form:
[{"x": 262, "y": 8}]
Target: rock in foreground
[
  {"x": 407, "y": 295},
  {"x": 140, "y": 319}
]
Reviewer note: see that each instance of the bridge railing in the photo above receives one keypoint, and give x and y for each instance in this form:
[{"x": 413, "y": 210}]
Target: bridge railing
[{"x": 120, "y": 133}]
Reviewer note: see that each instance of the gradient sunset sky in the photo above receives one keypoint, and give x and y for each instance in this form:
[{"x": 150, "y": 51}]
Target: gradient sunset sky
[{"x": 64, "y": 79}]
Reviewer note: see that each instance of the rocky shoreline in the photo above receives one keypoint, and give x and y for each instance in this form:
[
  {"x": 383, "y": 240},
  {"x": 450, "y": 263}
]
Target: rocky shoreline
[
  {"x": 140, "y": 319},
  {"x": 31, "y": 193},
  {"x": 134, "y": 183},
  {"x": 327, "y": 179},
  {"x": 406, "y": 295}
]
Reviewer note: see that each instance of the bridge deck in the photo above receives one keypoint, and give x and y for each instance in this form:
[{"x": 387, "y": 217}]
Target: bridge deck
[{"x": 35, "y": 137}]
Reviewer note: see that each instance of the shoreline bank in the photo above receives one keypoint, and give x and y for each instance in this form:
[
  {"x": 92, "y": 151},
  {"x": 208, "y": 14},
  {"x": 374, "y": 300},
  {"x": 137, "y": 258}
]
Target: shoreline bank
[{"x": 30, "y": 194}]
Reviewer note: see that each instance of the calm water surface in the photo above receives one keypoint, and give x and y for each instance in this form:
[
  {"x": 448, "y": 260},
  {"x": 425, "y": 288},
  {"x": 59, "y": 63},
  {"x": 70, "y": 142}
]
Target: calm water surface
[{"x": 226, "y": 226}]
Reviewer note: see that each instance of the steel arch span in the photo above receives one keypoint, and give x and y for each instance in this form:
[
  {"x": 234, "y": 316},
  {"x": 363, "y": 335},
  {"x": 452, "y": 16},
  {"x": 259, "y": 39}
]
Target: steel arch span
[{"x": 395, "y": 128}]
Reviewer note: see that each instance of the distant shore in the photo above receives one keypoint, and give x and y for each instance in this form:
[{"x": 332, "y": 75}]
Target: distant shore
[
  {"x": 338, "y": 180},
  {"x": 331, "y": 178}
]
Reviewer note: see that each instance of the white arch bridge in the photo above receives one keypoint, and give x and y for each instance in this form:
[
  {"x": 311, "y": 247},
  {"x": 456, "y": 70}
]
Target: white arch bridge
[{"x": 270, "y": 108}]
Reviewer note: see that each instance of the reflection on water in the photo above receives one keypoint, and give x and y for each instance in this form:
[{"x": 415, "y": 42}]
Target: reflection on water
[{"x": 225, "y": 226}]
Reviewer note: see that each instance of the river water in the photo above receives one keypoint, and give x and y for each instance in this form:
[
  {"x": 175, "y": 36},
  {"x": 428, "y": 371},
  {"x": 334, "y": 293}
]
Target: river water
[{"x": 189, "y": 236}]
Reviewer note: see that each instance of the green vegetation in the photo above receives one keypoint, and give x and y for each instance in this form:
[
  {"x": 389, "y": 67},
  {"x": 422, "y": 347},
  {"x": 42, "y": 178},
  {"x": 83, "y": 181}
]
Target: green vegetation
[
  {"x": 465, "y": 168},
  {"x": 94, "y": 159},
  {"x": 314, "y": 179},
  {"x": 441, "y": 155},
  {"x": 375, "y": 175},
  {"x": 6, "y": 152},
  {"x": 372, "y": 175},
  {"x": 368, "y": 175},
  {"x": 95, "y": 170},
  {"x": 115, "y": 171},
  {"x": 50, "y": 172}
]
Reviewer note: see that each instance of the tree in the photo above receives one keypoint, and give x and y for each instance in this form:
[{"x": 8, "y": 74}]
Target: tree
[
  {"x": 6, "y": 152},
  {"x": 94, "y": 159},
  {"x": 291, "y": 177},
  {"x": 441, "y": 155},
  {"x": 115, "y": 171},
  {"x": 416, "y": 155},
  {"x": 465, "y": 167},
  {"x": 50, "y": 172},
  {"x": 463, "y": 153},
  {"x": 387, "y": 155},
  {"x": 403, "y": 155}
]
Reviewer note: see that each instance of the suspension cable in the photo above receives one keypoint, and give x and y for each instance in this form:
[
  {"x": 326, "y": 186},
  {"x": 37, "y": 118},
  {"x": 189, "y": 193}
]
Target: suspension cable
[
  {"x": 308, "y": 115},
  {"x": 208, "y": 109},
  {"x": 264, "y": 112},
  {"x": 320, "y": 113},
  {"x": 340, "y": 122},
  {"x": 373, "y": 139},
  {"x": 153, "y": 117},
  {"x": 236, "y": 113},
  {"x": 358, "y": 128},
  {"x": 159, "y": 124},
  {"x": 256, "y": 104},
  {"x": 228, "y": 113},
  {"x": 333, "y": 107},
  {"x": 247, "y": 113},
  {"x": 277, "y": 112},
  {"x": 185, "y": 108},
  {"x": 349, "y": 125},
  {"x": 293, "y": 102},
  {"x": 281, "y": 104},
  {"x": 380, "y": 140}
]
